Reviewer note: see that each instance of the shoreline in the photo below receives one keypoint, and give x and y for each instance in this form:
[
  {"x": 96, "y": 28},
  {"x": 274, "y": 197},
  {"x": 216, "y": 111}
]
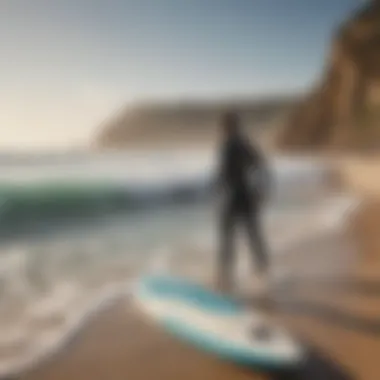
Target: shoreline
[
  {"x": 116, "y": 295},
  {"x": 94, "y": 309},
  {"x": 50, "y": 365},
  {"x": 110, "y": 274}
]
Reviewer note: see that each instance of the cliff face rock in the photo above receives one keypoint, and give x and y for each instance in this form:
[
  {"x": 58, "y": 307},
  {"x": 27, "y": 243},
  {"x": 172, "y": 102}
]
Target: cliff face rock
[
  {"x": 343, "y": 112},
  {"x": 189, "y": 122}
]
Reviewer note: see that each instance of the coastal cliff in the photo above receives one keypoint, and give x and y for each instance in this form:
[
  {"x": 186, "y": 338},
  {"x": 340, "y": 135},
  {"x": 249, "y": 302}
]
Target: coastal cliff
[
  {"x": 343, "y": 112},
  {"x": 188, "y": 122}
]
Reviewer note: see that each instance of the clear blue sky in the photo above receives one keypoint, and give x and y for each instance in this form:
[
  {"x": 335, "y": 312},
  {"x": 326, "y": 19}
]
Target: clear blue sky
[{"x": 67, "y": 64}]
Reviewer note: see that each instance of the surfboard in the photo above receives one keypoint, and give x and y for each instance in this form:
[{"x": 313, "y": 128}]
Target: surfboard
[{"x": 215, "y": 323}]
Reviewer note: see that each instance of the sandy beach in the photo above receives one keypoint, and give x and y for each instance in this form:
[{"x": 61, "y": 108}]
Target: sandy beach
[{"x": 118, "y": 343}]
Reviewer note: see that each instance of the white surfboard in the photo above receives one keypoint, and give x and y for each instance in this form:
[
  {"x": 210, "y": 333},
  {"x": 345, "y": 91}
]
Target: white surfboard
[{"x": 215, "y": 323}]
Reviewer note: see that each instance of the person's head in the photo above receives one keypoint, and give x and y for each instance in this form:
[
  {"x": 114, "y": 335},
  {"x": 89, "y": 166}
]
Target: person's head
[{"x": 231, "y": 125}]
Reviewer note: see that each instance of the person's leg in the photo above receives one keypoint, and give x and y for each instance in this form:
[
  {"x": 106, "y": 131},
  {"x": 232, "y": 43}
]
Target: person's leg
[
  {"x": 226, "y": 250},
  {"x": 258, "y": 247}
]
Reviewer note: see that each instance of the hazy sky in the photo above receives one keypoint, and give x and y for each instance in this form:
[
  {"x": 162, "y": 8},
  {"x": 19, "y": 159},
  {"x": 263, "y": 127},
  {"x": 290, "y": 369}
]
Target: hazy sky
[{"x": 68, "y": 64}]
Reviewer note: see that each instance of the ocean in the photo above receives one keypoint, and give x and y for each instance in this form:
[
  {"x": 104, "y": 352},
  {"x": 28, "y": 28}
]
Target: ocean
[{"x": 77, "y": 229}]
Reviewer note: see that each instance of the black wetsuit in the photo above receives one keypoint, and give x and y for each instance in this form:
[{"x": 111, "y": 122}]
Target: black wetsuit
[{"x": 241, "y": 203}]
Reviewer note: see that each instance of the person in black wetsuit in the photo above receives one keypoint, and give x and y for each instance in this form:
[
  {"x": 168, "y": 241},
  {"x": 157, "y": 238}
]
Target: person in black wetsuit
[{"x": 240, "y": 179}]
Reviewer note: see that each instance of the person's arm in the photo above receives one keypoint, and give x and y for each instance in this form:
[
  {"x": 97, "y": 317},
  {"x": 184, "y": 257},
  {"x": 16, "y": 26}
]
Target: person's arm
[
  {"x": 267, "y": 179},
  {"x": 220, "y": 175},
  {"x": 258, "y": 160}
]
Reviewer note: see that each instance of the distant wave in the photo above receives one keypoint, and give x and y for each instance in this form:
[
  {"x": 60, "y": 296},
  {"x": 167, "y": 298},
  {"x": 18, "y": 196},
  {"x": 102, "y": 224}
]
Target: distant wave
[
  {"x": 39, "y": 193},
  {"x": 40, "y": 200},
  {"x": 33, "y": 203}
]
